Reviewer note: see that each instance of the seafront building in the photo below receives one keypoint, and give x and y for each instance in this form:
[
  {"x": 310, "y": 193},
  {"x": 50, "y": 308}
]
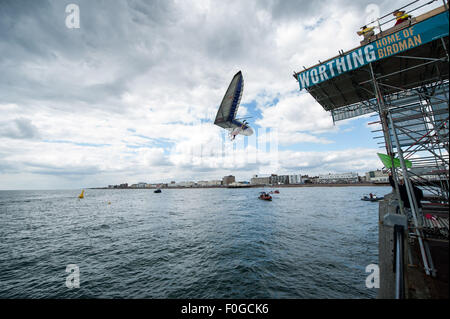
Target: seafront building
[
  {"x": 295, "y": 179},
  {"x": 139, "y": 185},
  {"x": 279, "y": 179},
  {"x": 209, "y": 183},
  {"x": 378, "y": 176},
  {"x": 344, "y": 178},
  {"x": 186, "y": 184},
  {"x": 260, "y": 180},
  {"x": 273, "y": 179},
  {"x": 228, "y": 180},
  {"x": 124, "y": 185}
]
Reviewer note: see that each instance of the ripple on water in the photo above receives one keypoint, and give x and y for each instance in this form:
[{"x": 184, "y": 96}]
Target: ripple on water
[{"x": 197, "y": 243}]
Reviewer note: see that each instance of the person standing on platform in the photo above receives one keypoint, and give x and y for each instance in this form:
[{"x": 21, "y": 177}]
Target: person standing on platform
[
  {"x": 401, "y": 16},
  {"x": 367, "y": 32}
]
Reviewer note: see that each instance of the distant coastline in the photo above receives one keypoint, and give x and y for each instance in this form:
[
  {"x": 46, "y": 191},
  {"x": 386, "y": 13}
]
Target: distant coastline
[{"x": 257, "y": 186}]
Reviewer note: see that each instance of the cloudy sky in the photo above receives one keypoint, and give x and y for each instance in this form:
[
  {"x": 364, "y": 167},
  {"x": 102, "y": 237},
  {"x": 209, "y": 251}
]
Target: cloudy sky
[{"x": 131, "y": 94}]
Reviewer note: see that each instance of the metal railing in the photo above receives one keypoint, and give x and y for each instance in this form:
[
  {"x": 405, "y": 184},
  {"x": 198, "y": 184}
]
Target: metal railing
[{"x": 381, "y": 21}]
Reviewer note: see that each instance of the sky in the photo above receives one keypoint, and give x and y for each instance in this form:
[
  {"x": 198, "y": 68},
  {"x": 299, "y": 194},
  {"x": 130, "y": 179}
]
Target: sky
[{"x": 131, "y": 93}]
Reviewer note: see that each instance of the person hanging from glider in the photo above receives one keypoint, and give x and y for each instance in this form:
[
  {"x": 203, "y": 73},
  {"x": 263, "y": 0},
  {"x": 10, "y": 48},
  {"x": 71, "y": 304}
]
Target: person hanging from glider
[
  {"x": 237, "y": 130},
  {"x": 226, "y": 115}
]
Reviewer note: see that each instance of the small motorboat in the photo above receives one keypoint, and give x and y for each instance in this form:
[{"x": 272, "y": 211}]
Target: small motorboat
[
  {"x": 264, "y": 196},
  {"x": 371, "y": 199},
  {"x": 157, "y": 191}
]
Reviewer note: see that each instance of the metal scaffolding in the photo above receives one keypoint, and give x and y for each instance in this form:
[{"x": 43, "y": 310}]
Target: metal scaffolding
[
  {"x": 420, "y": 119},
  {"x": 409, "y": 93}
]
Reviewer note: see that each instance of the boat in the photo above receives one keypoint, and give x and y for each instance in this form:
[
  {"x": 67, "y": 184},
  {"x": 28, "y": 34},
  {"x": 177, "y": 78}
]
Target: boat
[
  {"x": 276, "y": 191},
  {"x": 264, "y": 196},
  {"x": 81, "y": 195},
  {"x": 373, "y": 199},
  {"x": 157, "y": 191}
]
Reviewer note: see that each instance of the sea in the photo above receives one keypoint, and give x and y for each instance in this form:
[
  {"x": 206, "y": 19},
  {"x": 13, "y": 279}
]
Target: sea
[{"x": 308, "y": 243}]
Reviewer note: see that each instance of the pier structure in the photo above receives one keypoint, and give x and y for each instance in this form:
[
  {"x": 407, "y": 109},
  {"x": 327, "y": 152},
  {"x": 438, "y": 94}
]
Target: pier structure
[{"x": 400, "y": 75}]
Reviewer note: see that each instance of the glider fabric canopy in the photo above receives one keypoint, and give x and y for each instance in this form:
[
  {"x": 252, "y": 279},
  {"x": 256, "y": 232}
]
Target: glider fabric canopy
[{"x": 226, "y": 115}]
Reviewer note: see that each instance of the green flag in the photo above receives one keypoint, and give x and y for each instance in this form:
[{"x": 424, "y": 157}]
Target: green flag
[{"x": 388, "y": 164}]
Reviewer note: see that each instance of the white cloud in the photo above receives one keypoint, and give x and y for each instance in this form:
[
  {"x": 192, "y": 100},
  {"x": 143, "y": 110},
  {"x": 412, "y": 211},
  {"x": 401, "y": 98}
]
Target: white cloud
[
  {"x": 296, "y": 113},
  {"x": 130, "y": 96}
]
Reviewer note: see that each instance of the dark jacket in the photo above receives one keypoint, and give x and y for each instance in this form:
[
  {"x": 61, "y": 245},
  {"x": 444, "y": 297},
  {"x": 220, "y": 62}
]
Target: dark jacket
[{"x": 404, "y": 194}]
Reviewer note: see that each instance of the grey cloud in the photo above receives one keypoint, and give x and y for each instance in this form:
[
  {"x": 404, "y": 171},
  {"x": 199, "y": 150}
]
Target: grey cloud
[
  {"x": 300, "y": 9},
  {"x": 34, "y": 33},
  {"x": 67, "y": 172},
  {"x": 131, "y": 38},
  {"x": 127, "y": 39},
  {"x": 7, "y": 167},
  {"x": 20, "y": 128},
  {"x": 292, "y": 9},
  {"x": 45, "y": 169},
  {"x": 158, "y": 12}
]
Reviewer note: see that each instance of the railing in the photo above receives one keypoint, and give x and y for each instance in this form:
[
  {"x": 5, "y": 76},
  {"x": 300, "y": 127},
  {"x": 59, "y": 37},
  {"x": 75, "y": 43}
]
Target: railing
[{"x": 381, "y": 21}]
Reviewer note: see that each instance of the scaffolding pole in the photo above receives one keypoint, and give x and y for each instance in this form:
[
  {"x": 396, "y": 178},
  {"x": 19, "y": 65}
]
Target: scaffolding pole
[{"x": 385, "y": 114}]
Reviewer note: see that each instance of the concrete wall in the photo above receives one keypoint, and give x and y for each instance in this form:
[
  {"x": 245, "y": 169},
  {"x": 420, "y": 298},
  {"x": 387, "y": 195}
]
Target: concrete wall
[{"x": 385, "y": 249}]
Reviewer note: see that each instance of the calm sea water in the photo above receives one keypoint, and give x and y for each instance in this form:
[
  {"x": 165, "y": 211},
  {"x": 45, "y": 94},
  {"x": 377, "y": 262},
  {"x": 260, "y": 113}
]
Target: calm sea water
[{"x": 190, "y": 243}]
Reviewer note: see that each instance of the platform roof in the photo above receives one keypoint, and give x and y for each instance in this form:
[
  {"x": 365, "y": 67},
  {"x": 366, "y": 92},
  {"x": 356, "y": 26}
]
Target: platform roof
[{"x": 423, "y": 60}]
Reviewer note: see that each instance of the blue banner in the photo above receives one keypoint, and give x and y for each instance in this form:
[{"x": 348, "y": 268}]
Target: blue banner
[{"x": 403, "y": 40}]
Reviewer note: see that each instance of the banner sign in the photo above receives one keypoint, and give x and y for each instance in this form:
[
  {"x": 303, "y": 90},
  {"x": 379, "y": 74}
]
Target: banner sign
[{"x": 403, "y": 40}]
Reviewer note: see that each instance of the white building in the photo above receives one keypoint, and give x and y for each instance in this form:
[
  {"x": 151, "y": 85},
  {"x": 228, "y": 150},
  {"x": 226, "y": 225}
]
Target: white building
[
  {"x": 260, "y": 180},
  {"x": 186, "y": 184},
  {"x": 338, "y": 178},
  {"x": 295, "y": 179},
  {"x": 214, "y": 183},
  {"x": 209, "y": 183},
  {"x": 377, "y": 176}
]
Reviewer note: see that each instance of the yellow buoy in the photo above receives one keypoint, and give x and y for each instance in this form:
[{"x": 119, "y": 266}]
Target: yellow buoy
[{"x": 82, "y": 194}]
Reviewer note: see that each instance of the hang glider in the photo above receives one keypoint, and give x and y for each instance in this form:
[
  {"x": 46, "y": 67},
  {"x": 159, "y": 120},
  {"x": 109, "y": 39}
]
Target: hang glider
[{"x": 226, "y": 115}]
